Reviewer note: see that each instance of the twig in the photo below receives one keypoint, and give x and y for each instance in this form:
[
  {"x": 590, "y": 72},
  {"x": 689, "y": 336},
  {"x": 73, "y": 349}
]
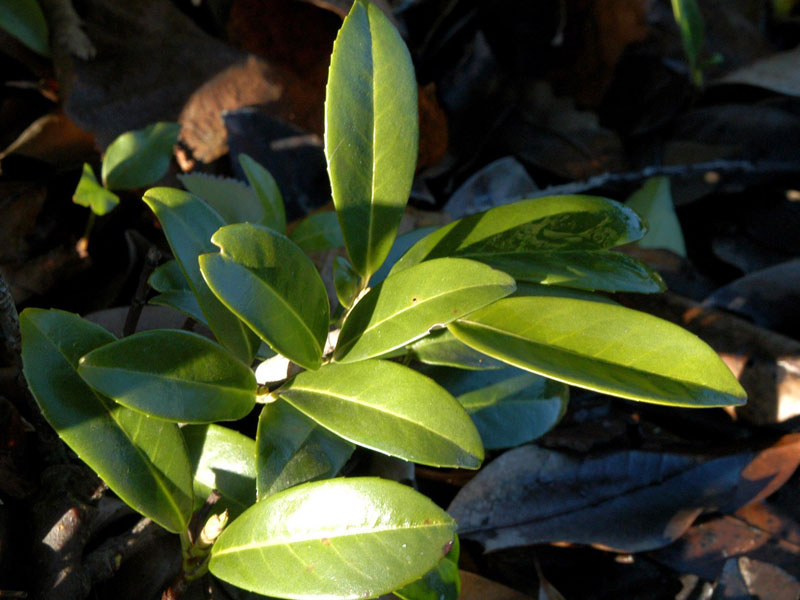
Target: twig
[
  {"x": 101, "y": 564},
  {"x": 151, "y": 261},
  {"x": 9, "y": 324}
]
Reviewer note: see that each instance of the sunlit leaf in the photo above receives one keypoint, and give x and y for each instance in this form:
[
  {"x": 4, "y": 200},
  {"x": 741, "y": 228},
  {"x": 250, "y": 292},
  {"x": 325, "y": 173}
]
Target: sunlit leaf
[
  {"x": 91, "y": 194},
  {"x": 25, "y": 21},
  {"x": 139, "y": 158},
  {"x": 319, "y": 231},
  {"x": 267, "y": 192},
  {"x": 443, "y": 582}
]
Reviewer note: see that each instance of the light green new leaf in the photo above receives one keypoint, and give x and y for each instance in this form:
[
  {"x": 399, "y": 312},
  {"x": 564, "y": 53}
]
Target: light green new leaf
[
  {"x": 371, "y": 133},
  {"x": 602, "y": 347},
  {"x": 292, "y": 449},
  {"x": 317, "y": 232},
  {"x": 144, "y": 461},
  {"x": 91, "y": 194},
  {"x": 139, "y": 158},
  {"x": 409, "y": 415},
  {"x": 174, "y": 375},
  {"x": 222, "y": 460},
  {"x": 405, "y": 306},
  {"x": 535, "y": 225},
  {"x": 25, "y": 21},
  {"x": 274, "y": 287},
  {"x": 690, "y": 22},
  {"x": 340, "y": 538},
  {"x": 443, "y": 348},
  {"x": 189, "y": 223},
  {"x": 345, "y": 281},
  {"x": 233, "y": 200},
  {"x": 653, "y": 201},
  {"x": 175, "y": 291},
  {"x": 443, "y": 582},
  {"x": 267, "y": 192},
  {"x": 509, "y": 406}
]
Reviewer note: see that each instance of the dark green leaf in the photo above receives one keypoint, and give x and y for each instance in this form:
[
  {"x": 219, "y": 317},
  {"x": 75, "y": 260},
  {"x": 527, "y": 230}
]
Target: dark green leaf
[
  {"x": 371, "y": 133},
  {"x": 273, "y": 286},
  {"x": 443, "y": 582},
  {"x": 340, "y": 538},
  {"x": 292, "y": 449},
  {"x": 91, "y": 194},
  {"x": 602, "y": 347},
  {"x": 443, "y": 348},
  {"x": 267, "y": 192},
  {"x": 139, "y": 158},
  {"x": 24, "y": 20},
  {"x": 173, "y": 375},
  {"x": 175, "y": 291},
  {"x": 409, "y": 415},
  {"x": 144, "y": 461},
  {"x": 407, "y": 305},
  {"x": 319, "y": 231},
  {"x": 233, "y": 200},
  {"x": 345, "y": 280},
  {"x": 222, "y": 460}
]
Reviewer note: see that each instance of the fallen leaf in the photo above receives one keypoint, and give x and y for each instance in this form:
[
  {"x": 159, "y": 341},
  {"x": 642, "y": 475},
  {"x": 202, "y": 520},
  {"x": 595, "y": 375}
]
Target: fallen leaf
[
  {"x": 779, "y": 73},
  {"x": 475, "y": 587}
]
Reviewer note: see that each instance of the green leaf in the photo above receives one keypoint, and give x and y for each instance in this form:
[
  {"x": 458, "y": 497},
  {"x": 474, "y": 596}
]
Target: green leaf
[
  {"x": 222, "y": 460},
  {"x": 371, "y": 133},
  {"x": 317, "y": 232},
  {"x": 345, "y": 280},
  {"x": 409, "y": 415},
  {"x": 525, "y": 288},
  {"x": 340, "y": 538},
  {"x": 690, "y": 22},
  {"x": 400, "y": 247},
  {"x": 535, "y": 225},
  {"x": 91, "y": 194},
  {"x": 508, "y": 406},
  {"x": 443, "y": 582},
  {"x": 653, "y": 201},
  {"x": 274, "y": 287},
  {"x": 175, "y": 291},
  {"x": 602, "y": 347},
  {"x": 233, "y": 200},
  {"x": 267, "y": 191},
  {"x": 25, "y": 21},
  {"x": 189, "y": 223},
  {"x": 173, "y": 375},
  {"x": 139, "y": 158},
  {"x": 144, "y": 461},
  {"x": 443, "y": 348},
  {"x": 292, "y": 449},
  {"x": 407, "y": 305}
]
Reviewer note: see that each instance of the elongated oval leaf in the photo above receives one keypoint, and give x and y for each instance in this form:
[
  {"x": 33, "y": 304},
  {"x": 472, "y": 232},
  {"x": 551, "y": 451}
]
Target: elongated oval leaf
[
  {"x": 410, "y": 416},
  {"x": 292, "y": 449},
  {"x": 267, "y": 192},
  {"x": 407, "y": 305},
  {"x": 143, "y": 460},
  {"x": 538, "y": 224},
  {"x": 173, "y": 375},
  {"x": 340, "y": 538},
  {"x": 443, "y": 348},
  {"x": 93, "y": 195},
  {"x": 25, "y": 21},
  {"x": 320, "y": 231},
  {"x": 371, "y": 133},
  {"x": 273, "y": 286},
  {"x": 189, "y": 223},
  {"x": 235, "y": 201},
  {"x": 222, "y": 460},
  {"x": 602, "y": 347},
  {"x": 345, "y": 281},
  {"x": 139, "y": 158}
]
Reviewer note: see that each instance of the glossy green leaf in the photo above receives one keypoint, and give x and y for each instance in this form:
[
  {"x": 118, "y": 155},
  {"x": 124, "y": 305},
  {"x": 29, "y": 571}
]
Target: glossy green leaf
[
  {"x": 535, "y": 225},
  {"x": 144, "y": 461},
  {"x": 222, "y": 460},
  {"x": 139, "y": 158},
  {"x": 345, "y": 280},
  {"x": 172, "y": 374},
  {"x": 189, "y": 223},
  {"x": 292, "y": 449},
  {"x": 91, "y": 194},
  {"x": 25, "y": 21},
  {"x": 602, "y": 347},
  {"x": 508, "y": 406},
  {"x": 409, "y": 415},
  {"x": 340, "y": 538},
  {"x": 653, "y": 201},
  {"x": 233, "y": 200},
  {"x": 267, "y": 192},
  {"x": 407, "y": 305},
  {"x": 443, "y": 582},
  {"x": 371, "y": 133},
  {"x": 443, "y": 348},
  {"x": 274, "y": 287},
  {"x": 175, "y": 291},
  {"x": 317, "y": 232}
]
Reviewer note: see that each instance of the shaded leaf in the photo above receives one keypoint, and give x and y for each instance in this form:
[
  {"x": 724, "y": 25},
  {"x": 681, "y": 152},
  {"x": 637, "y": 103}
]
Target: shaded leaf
[
  {"x": 409, "y": 415},
  {"x": 267, "y": 191},
  {"x": 526, "y": 288},
  {"x": 222, "y": 460},
  {"x": 91, "y": 194},
  {"x": 139, "y": 158},
  {"x": 602, "y": 347},
  {"x": 401, "y": 244},
  {"x": 173, "y": 375},
  {"x": 25, "y": 21},
  {"x": 690, "y": 23},
  {"x": 345, "y": 280},
  {"x": 272, "y": 286},
  {"x": 233, "y": 200},
  {"x": 653, "y": 201},
  {"x": 292, "y": 449},
  {"x": 405, "y": 306},
  {"x": 319, "y": 231},
  {"x": 144, "y": 461},
  {"x": 175, "y": 291},
  {"x": 371, "y": 133},
  {"x": 443, "y": 582},
  {"x": 340, "y": 538},
  {"x": 443, "y": 348}
]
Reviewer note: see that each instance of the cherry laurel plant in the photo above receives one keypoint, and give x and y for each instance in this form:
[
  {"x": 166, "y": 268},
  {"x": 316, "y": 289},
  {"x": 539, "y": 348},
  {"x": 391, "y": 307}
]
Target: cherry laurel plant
[{"x": 446, "y": 342}]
